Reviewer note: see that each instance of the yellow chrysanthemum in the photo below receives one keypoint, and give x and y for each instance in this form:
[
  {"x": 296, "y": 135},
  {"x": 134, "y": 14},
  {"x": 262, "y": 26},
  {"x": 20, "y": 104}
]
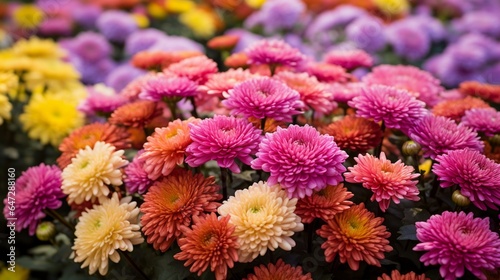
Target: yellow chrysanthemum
[
  {"x": 392, "y": 7},
  {"x": 38, "y": 48},
  {"x": 179, "y": 6},
  {"x": 8, "y": 82},
  {"x": 156, "y": 10},
  {"x": 50, "y": 118},
  {"x": 141, "y": 20},
  {"x": 264, "y": 218},
  {"x": 13, "y": 62},
  {"x": 200, "y": 21},
  {"x": 105, "y": 229},
  {"x": 28, "y": 16},
  {"x": 50, "y": 73},
  {"x": 256, "y": 4},
  {"x": 91, "y": 172},
  {"x": 5, "y": 108}
]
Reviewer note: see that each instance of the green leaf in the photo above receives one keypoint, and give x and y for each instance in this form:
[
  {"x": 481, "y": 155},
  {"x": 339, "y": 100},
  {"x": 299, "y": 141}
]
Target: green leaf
[{"x": 408, "y": 232}]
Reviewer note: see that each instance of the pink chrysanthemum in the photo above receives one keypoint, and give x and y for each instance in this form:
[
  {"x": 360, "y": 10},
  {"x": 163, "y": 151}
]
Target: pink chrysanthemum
[
  {"x": 164, "y": 87},
  {"x": 477, "y": 176},
  {"x": 264, "y": 98},
  {"x": 313, "y": 93},
  {"x": 274, "y": 52},
  {"x": 101, "y": 99},
  {"x": 439, "y": 135},
  {"x": 483, "y": 120},
  {"x": 301, "y": 160},
  {"x": 136, "y": 178},
  {"x": 223, "y": 139},
  {"x": 134, "y": 88},
  {"x": 196, "y": 68},
  {"x": 388, "y": 181},
  {"x": 419, "y": 83},
  {"x": 219, "y": 83},
  {"x": 328, "y": 73},
  {"x": 397, "y": 108},
  {"x": 37, "y": 189},
  {"x": 346, "y": 92},
  {"x": 458, "y": 241},
  {"x": 456, "y": 109},
  {"x": 349, "y": 59}
]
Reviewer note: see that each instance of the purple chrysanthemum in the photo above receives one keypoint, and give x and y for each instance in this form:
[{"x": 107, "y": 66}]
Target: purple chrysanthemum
[
  {"x": 274, "y": 52},
  {"x": 264, "y": 98},
  {"x": 91, "y": 46},
  {"x": 301, "y": 160},
  {"x": 86, "y": 15},
  {"x": 438, "y": 135},
  {"x": 101, "y": 100},
  {"x": 116, "y": 25},
  {"x": 486, "y": 120},
  {"x": 367, "y": 33},
  {"x": 56, "y": 26},
  {"x": 477, "y": 176},
  {"x": 408, "y": 40},
  {"x": 397, "y": 108},
  {"x": 458, "y": 241},
  {"x": 160, "y": 86},
  {"x": 223, "y": 139},
  {"x": 37, "y": 189},
  {"x": 277, "y": 15},
  {"x": 142, "y": 40},
  {"x": 136, "y": 178},
  {"x": 123, "y": 75}
]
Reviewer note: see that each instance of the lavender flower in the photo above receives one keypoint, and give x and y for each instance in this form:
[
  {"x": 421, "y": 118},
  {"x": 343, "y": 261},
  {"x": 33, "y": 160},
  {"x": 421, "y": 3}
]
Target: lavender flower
[{"x": 116, "y": 25}]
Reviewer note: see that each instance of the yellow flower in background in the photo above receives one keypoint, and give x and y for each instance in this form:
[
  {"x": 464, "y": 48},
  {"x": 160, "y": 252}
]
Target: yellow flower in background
[
  {"x": 28, "y": 16},
  {"x": 13, "y": 62},
  {"x": 38, "y": 48},
  {"x": 200, "y": 21},
  {"x": 50, "y": 73},
  {"x": 5, "y": 108},
  {"x": 426, "y": 167},
  {"x": 256, "y": 4},
  {"x": 8, "y": 82},
  {"x": 50, "y": 118},
  {"x": 141, "y": 20},
  {"x": 156, "y": 10},
  {"x": 392, "y": 7},
  {"x": 20, "y": 274},
  {"x": 179, "y": 6}
]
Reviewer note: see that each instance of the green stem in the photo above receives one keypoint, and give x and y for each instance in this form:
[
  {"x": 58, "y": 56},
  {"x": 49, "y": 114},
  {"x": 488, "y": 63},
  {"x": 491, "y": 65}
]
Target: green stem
[
  {"x": 194, "y": 113},
  {"x": 263, "y": 125},
  {"x": 60, "y": 218},
  {"x": 225, "y": 181},
  {"x": 378, "y": 149},
  {"x": 133, "y": 264}
]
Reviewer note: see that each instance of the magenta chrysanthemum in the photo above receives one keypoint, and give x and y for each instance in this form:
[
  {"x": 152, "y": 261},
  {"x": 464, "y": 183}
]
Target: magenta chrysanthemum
[
  {"x": 395, "y": 107},
  {"x": 300, "y": 159},
  {"x": 346, "y": 92},
  {"x": 388, "y": 181},
  {"x": 485, "y": 120},
  {"x": 439, "y": 135},
  {"x": 223, "y": 139},
  {"x": 264, "y": 98},
  {"x": 101, "y": 99},
  {"x": 37, "y": 189},
  {"x": 160, "y": 86},
  {"x": 136, "y": 178},
  {"x": 458, "y": 241},
  {"x": 274, "y": 52},
  {"x": 477, "y": 176},
  {"x": 349, "y": 59}
]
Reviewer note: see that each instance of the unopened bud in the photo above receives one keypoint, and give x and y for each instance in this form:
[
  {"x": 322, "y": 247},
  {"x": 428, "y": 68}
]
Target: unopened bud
[
  {"x": 46, "y": 231},
  {"x": 411, "y": 148},
  {"x": 459, "y": 199}
]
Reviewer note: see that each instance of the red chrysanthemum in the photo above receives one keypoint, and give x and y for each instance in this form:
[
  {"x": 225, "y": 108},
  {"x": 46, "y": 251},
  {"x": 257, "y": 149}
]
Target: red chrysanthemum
[
  {"x": 278, "y": 271},
  {"x": 455, "y": 109},
  {"x": 484, "y": 91},
  {"x": 136, "y": 114},
  {"x": 396, "y": 275}
]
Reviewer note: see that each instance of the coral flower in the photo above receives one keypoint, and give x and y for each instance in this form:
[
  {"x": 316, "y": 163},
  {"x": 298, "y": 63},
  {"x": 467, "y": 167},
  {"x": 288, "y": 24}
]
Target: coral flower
[
  {"x": 274, "y": 52},
  {"x": 477, "y": 176},
  {"x": 324, "y": 204},
  {"x": 349, "y": 59},
  {"x": 37, "y": 189},
  {"x": 354, "y": 133},
  {"x": 158, "y": 60},
  {"x": 219, "y": 83},
  {"x": 211, "y": 243},
  {"x": 388, "y": 181},
  {"x": 165, "y": 149},
  {"x": 172, "y": 202},
  {"x": 196, "y": 68},
  {"x": 163, "y": 87},
  {"x": 485, "y": 120},
  {"x": 136, "y": 114},
  {"x": 396, "y": 275},
  {"x": 224, "y": 42},
  {"x": 237, "y": 60},
  {"x": 458, "y": 241},
  {"x": 355, "y": 235},
  {"x": 223, "y": 139},
  {"x": 328, "y": 73},
  {"x": 91, "y": 171},
  {"x": 264, "y": 98},
  {"x": 439, "y": 135},
  {"x": 301, "y": 160},
  {"x": 278, "y": 271},
  {"x": 264, "y": 219},
  {"x": 456, "y": 109},
  {"x": 484, "y": 91},
  {"x": 136, "y": 178},
  {"x": 105, "y": 230}
]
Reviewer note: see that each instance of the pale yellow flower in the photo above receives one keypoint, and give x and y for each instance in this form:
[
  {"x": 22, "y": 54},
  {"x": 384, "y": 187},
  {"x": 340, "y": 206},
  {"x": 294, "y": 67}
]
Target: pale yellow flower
[
  {"x": 50, "y": 73},
  {"x": 200, "y": 21},
  {"x": 28, "y": 16},
  {"x": 5, "y": 108},
  {"x": 264, "y": 219},
  {"x": 392, "y": 7},
  {"x": 256, "y": 4},
  {"x": 91, "y": 172},
  {"x": 8, "y": 82},
  {"x": 38, "y": 48},
  {"x": 179, "y": 6}
]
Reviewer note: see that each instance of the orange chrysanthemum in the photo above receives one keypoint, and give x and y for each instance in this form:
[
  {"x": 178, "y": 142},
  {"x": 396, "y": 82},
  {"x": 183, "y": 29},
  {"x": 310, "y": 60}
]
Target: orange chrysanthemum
[
  {"x": 87, "y": 136},
  {"x": 278, "y": 271},
  {"x": 355, "y": 235},
  {"x": 237, "y": 60},
  {"x": 223, "y": 42},
  {"x": 324, "y": 204},
  {"x": 485, "y": 91},
  {"x": 157, "y": 60},
  {"x": 136, "y": 114},
  {"x": 354, "y": 133},
  {"x": 270, "y": 126},
  {"x": 173, "y": 202},
  {"x": 455, "y": 109},
  {"x": 212, "y": 243},
  {"x": 396, "y": 275},
  {"x": 165, "y": 149}
]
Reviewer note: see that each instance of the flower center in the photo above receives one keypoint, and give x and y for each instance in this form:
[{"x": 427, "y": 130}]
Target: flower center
[
  {"x": 255, "y": 209},
  {"x": 209, "y": 238}
]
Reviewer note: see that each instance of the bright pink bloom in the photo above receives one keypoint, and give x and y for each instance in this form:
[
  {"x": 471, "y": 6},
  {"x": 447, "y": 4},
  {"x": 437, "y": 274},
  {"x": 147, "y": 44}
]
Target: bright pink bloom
[
  {"x": 328, "y": 73},
  {"x": 274, "y": 52},
  {"x": 196, "y": 68},
  {"x": 485, "y": 120},
  {"x": 346, "y": 92},
  {"x": 136, "y": 178},
  {"x": 104, "y": 102},
  {"x": 219, "y": 83},
  {"x": 349, "y": 59},
  {"x": 160, "y": 86}
]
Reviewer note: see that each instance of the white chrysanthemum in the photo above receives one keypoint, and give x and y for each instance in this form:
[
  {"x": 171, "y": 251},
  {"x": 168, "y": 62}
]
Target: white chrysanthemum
[
  {"x": 264, "y": 218},
  {"x": 105, "y": 229},
  {"x": 91, "y": 172}
]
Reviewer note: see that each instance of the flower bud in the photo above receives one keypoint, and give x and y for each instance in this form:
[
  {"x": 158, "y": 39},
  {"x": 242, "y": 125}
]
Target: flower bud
[
  {"x": 495, "y": 140},
  {"x": 459, "y": 199},
  {"x": 411, "y": 148},
  {"x": 46, "y": 231}
]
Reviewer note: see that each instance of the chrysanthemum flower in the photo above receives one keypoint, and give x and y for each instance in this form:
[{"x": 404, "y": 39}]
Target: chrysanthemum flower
[
  {"x": 264, "y": 218},
  {"x": 328, "y": 73},
  {"x": 160, "y": 87},
  {"x": 274, "y": 52},
  {"x": 223, "y": 139},
  {"x": 5, "y": 108},
  {"x": 300, "y": 160},
  {"x": 485, "y": 120},
  {"x": 136, "y": 114},
  {"x": 396, "y": 275},
  {"x": 172, "y": 202},
  {"x": 50, "y": 118},
  {"x": 397, "y": 108},
  {"x": 264, "y": 98},
  {"x": 91, "y": 171},
  {"x": 313, "y": 93},
  {"x": 136, "y": 178},
  {"x": 237, "y": 60},
  {"x": 101, "y": 100},
  {"x": 346, "y": 92},
  {"x": 355, "y": 235},
  {"x": 105, "y": 229},
  {"x": 269, "y": 126},
  {"x": 477, "y": 176},
  {"x": 492, "y": 153},
  {"x": 456, "y": 109},
  {"x": 196, "y": 68},
  {"x": 223, "y": 42},
  {"x": 165, "y": 149},
  {"x": 219, "y": 83},
  {"x": 484, "y": 91},
  {"x": 158, "y": 60},
  {"x": 324, "y": 204},
  {"x": 37, "y": 189},
  {"x": 458, "y": 241},
  {"x": 439, "y": 135},
  {"x": 354, "y": 133},
  {"x": 419, "y": 83},
  {"x": 388, "y": 181},
  {"x": 278, "y": 271},
  {"x": 349, "y": 59},
  {"x": 9, "y": 82}
]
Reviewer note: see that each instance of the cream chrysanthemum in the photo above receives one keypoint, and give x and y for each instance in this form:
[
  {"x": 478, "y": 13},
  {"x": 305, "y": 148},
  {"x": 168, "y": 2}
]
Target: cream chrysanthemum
[
  {"x": 102, "y": 231},
  {"x": 5, "y": 108},
  {"x": 264, "y": 218},
  {"x": 91, "y": 171}
]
